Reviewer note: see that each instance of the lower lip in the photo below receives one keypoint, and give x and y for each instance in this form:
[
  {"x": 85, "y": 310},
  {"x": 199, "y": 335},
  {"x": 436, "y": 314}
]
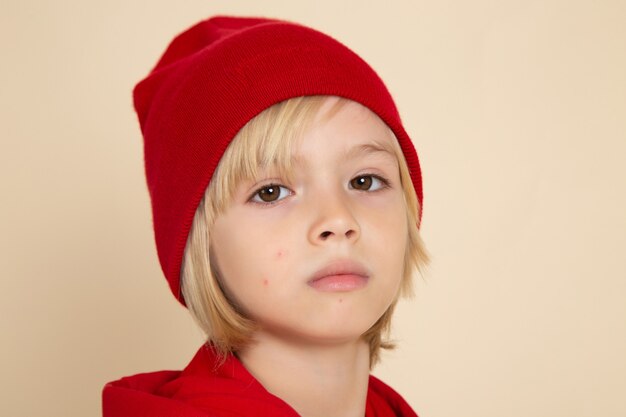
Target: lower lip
[{"x": 338, "y": 283}]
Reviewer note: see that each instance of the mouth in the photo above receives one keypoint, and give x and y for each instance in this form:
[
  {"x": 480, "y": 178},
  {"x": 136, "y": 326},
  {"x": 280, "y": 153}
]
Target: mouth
[{"x": 338, "y": 276}]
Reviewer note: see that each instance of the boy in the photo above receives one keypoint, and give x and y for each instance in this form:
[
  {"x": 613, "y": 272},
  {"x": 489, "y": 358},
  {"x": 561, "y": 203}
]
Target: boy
[{"x": 286, "y": 201}]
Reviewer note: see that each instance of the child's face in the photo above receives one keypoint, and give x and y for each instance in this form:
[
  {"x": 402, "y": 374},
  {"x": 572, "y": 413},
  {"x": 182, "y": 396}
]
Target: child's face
[{"x": 335, "y": 209}]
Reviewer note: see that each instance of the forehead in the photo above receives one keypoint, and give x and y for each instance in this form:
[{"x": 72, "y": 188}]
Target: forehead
[{"x": 351, "y": 133}]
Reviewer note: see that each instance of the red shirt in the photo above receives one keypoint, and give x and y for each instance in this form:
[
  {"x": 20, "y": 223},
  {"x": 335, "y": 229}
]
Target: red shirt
[{"x": 204, "y": 390}]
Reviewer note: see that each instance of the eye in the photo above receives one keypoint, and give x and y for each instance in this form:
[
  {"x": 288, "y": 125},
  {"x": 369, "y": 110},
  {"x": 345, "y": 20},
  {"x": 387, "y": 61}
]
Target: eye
[
  {"x": 364, "y": 182},
  {"x": 269, "y": 194}
]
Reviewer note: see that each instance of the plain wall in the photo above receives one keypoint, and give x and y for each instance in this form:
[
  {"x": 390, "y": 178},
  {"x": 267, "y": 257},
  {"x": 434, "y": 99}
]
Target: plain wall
[{"x": 517, "y": 110}]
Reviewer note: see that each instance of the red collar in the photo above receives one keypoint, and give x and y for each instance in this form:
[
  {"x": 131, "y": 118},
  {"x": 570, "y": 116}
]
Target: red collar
[{"x": 203, "y": 389}]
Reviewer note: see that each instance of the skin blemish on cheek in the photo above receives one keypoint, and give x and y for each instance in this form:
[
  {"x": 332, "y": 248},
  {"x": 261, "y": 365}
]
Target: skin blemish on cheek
[
  {"x": 281, "y": 253},
  {"x": 266, "y": 282},
  {"x": 341, "y": 300}
]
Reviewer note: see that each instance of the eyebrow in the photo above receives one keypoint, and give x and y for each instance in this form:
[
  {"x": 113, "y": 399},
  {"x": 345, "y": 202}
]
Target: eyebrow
[
  {"x": 368, "y": 149},
  {"x": 361, "y": 150}
]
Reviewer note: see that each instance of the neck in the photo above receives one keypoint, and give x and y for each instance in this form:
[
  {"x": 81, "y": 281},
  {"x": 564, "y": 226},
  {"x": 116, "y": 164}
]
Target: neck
[{"x": 320, "y": 380}]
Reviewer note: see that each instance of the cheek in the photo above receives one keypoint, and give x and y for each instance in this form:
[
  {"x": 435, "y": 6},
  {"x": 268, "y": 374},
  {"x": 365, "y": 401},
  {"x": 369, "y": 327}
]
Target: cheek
[
  {"x": 254, "y": 257},
  {"x": 392, "y": 229},
  {"x": 253, "y": 272},
  {"x": 279, "y": 257},
  {"x": 390, "y": 224},
  {"x": 277, "y": 262}
]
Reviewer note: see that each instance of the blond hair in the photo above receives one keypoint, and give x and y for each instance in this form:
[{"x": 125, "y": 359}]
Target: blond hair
[{"x": 268, "y": 140}]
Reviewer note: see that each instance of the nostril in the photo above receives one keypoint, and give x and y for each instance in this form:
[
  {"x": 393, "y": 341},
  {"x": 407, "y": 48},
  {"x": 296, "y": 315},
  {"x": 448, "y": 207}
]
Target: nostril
[{"x": 349, "y": 234}]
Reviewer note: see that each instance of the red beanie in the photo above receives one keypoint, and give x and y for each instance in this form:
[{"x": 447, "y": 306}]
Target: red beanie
[{"x": 211, "y": 80}]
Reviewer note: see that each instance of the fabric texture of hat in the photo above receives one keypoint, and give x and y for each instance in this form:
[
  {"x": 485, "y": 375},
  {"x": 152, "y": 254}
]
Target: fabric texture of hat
[{"x": 210, "y": 81}]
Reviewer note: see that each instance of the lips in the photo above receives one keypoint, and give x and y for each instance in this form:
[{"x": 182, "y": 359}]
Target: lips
[{"x": 340, "y": 276}]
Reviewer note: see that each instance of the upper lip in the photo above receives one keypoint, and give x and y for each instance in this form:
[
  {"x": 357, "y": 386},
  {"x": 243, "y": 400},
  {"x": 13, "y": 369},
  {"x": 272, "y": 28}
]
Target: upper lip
[{"x": 341, "y": 267}]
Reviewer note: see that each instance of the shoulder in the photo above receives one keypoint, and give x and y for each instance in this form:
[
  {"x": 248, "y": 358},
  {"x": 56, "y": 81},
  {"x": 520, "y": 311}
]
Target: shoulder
[
  {"x": 136, "y": 395},
  {"x": 204, "y": 388}
]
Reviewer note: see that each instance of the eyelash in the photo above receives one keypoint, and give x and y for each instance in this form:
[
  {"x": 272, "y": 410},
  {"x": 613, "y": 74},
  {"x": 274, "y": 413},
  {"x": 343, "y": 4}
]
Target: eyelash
[{"x": 385, "y": 184}]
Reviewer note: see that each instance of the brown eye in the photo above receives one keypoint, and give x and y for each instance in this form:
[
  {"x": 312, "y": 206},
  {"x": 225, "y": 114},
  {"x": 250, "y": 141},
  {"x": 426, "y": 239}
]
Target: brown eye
[
  {"x": 269, "y": 194},
  {"x": 364, "y": 182}
]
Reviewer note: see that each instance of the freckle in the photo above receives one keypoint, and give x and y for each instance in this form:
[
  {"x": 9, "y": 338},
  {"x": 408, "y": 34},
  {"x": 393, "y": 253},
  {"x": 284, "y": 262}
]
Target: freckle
[{"x": 341, "y": 300}]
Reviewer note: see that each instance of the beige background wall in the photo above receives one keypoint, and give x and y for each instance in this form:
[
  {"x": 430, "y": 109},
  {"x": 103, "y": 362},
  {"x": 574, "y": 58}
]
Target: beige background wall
[{"x": 518, "y": 111}]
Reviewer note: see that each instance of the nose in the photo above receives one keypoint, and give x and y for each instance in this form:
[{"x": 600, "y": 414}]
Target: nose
[{"x": 333, "y": 221}]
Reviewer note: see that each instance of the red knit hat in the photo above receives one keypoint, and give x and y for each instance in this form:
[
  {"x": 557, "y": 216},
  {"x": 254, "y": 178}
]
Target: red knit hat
[{"x": 210, "y": 81}]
